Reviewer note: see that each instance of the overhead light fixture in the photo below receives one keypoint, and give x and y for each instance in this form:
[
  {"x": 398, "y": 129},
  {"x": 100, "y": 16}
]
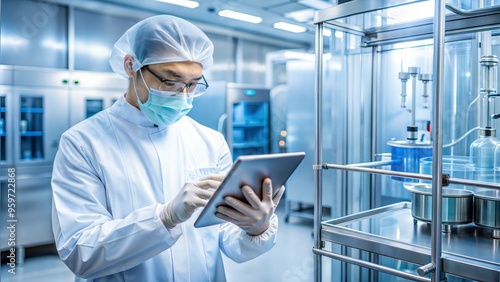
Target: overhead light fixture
[
  {"x": 305, "y": 15},
  {"x": 184, "y": 3},
  {"x": 289, "y": 27},
  {"x": 327, "y": 32},
  {"x": 316, "y": 4},
  {"x": 240, "y": 16}
]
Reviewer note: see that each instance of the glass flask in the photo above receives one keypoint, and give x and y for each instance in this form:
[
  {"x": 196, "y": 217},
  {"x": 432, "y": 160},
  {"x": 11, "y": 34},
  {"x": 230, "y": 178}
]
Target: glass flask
[
  {"x": 482, "y": 155},
  {"x": 497, "y": 164}
]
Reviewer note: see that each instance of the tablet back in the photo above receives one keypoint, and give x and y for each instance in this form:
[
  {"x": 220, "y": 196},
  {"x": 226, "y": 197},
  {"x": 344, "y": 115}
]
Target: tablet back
[{"x": 250, "y": 170}]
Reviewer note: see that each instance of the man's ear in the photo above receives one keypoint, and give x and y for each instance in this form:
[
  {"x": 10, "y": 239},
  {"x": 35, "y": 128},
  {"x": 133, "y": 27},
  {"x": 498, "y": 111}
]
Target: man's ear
[{"x": 128, "y": 63}]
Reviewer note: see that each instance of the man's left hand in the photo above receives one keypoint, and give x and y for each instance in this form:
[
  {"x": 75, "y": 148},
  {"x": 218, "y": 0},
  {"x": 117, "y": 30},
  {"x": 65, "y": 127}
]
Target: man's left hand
[{"x": 254, "y": 216}]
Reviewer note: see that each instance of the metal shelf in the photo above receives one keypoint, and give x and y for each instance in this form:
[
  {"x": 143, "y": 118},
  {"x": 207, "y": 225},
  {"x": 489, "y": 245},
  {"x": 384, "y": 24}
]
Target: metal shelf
[{"x": 468, "y": 251}]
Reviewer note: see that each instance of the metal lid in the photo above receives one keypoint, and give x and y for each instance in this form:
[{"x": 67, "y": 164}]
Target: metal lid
[
  {"x": 487, "y": 131},
  {"x": 425, "y": 76},
  {"x": 489, "y": 60},
  {"x": 414, "y": 70},
  {"x": 488, "y": 195},
  {"x": 426, "y": 189},
  {"x": 404, "y": 75}
]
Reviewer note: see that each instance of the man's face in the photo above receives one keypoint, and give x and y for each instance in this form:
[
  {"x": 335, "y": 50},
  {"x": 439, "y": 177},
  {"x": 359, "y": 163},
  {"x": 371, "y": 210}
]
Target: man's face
[{"x": 186, "y": 72}]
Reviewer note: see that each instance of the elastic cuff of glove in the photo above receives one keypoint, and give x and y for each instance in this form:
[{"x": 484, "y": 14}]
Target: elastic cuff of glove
[
  {"x": 166, "y": 218},
  {"x": 259, "y": 233},
  {"x": 272, "y": 229}
]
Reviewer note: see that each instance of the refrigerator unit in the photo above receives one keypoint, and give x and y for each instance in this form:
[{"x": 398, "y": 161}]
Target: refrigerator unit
[
  {"x": 241, "y": 112},
  {"x": 249, "y": 109},
  {"x": 33, "y": 112}
]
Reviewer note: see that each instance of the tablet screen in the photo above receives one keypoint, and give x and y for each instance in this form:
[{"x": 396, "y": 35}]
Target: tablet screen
[{"x": 250, "y": 170}]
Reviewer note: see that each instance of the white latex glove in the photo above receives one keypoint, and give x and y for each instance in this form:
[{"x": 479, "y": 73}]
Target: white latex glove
[
  {"x": 194, "y": 194},
  {"x": 254, "y": 216}
]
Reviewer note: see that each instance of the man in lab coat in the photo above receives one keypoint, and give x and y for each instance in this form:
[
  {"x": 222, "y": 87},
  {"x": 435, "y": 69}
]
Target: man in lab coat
[{"x": 128, "y": 182}]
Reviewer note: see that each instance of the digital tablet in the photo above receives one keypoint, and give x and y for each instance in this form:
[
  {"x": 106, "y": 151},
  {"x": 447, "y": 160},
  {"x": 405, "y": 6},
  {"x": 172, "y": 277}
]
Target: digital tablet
[{"x": 250, "y": 170}]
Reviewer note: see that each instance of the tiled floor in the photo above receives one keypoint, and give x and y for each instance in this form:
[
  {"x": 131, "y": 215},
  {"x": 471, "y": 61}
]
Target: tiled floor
[{"x": 290, "y": 260}]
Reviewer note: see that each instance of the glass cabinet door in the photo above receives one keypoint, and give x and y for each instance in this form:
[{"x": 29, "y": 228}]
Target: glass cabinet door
[
  {"x": 250, "y": 128},
  {"x": 31, "y": 129},
  {"x": 3, "y": 128},
  {"x": 40, "y": 117},
  {"x": 93, "y": 106}
]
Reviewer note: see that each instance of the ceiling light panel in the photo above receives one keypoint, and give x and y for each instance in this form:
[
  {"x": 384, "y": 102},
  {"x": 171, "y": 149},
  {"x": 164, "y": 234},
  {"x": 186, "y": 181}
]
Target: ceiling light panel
[
  {"x": 289, "y": 27},
  {"x": 184, "y": 3},
  {"x": 316, "y": 4},
  {"x": 240, "y": 16},
  {"x": 302, "y": 16}
]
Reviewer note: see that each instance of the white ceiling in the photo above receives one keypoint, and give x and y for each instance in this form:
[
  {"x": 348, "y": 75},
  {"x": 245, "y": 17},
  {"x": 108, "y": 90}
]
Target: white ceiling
[{"x": 270, "y": 10}]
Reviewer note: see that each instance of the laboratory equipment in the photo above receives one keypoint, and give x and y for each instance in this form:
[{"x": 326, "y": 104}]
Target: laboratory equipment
[
  {"x": 404, "y": 76},
  {"x": 488, "y": 77},
  {"x": 482, "y": 155},
  {"x": 31, "y": 106},
  {"x": 456, "y": 205},
  {"x": 425, "y": 78},
  {"x": 482, "y": 150},
  {"x": 3, "y": 127},
  {"x": 361, "y": 242},
  {"x": 454, "y": 166},
  {"x": 248, "y": 124},
  {"x": 487, "y": 210},
  {"x": 241, "y": 112},
  {"x": 406, "y": 154}
]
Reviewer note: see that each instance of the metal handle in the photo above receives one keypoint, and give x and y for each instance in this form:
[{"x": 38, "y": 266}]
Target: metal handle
[
  {"x": 373, "y": 164},
  {"x": 446, "y": 180},
  {"x": 220, "y": 124},
  {"x": 371, "y": 265},
  {"x": 379, "y": 171},
  {"x": 474, "y": 12}
]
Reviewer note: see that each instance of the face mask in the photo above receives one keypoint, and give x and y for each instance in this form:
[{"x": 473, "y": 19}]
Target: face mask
[{"x": 162, "y": 108}]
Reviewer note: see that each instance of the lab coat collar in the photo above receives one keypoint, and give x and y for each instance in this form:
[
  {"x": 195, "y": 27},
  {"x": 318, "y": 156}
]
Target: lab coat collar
[{"x": 131, "y": 114}]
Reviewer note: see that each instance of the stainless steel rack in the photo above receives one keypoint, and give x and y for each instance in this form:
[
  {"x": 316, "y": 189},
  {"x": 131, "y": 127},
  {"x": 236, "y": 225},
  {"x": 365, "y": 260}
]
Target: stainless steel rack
[{"x": 473, "y": 255}]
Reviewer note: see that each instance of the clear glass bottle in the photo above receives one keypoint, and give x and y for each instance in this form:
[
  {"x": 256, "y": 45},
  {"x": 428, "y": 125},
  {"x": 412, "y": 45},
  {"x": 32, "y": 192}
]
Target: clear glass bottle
[
  {"x": 497, "y": 163},
  {"x": 482, "y": 155}
]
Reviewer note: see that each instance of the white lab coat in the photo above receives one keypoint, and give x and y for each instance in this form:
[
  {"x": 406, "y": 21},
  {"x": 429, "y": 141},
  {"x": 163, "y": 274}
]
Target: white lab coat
[{"x": 111, "y": 174}]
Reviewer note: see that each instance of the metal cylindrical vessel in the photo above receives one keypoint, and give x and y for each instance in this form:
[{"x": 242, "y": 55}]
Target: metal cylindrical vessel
[
  {"x": 487, "y": 210},
  {"x": 457, "y": 205}
]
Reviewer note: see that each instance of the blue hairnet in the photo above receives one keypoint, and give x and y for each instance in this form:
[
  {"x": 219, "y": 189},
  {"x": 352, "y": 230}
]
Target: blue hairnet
[{"x": 162, "y": 39}]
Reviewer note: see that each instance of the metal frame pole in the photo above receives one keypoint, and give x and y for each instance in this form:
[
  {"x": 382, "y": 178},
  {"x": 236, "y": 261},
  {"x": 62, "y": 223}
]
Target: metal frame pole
[
  {"x": 318, "y": 146},
  {"x": 437, "y": 148}
]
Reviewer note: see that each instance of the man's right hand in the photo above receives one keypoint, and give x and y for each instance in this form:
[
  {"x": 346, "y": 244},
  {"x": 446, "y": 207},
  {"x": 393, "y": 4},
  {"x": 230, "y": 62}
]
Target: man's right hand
[{"x": 194, "y": 194}]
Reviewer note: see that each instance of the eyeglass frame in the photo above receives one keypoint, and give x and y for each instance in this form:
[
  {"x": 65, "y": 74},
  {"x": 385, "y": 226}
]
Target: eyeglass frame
[{"x": 186, "y": 85}]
